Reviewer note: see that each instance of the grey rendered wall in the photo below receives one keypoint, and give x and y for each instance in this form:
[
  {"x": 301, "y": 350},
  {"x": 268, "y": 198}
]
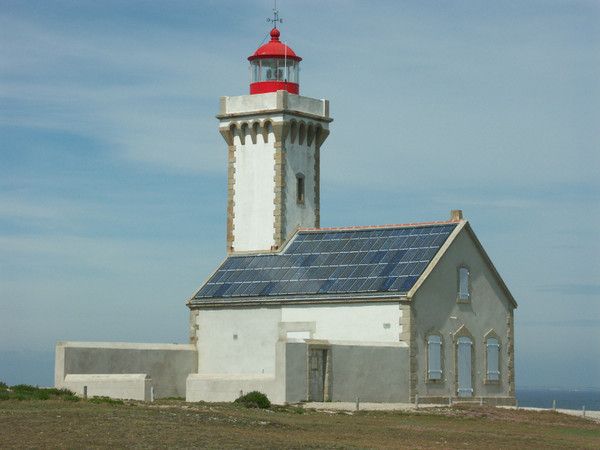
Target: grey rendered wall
[
  {"x": 373, "y": 373},
  {"x": 296, "y": 383},
  {"x": 435, "y": 310},
  {"x": 168, "y": 365}
]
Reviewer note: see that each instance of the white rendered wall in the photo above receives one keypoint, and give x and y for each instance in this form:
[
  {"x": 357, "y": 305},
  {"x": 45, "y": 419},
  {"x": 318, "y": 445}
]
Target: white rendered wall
[
  {"x": 243, "y": 349},
  {"x": 243, "y": 341},
  {"x": 238, "y": 341},
  {"x": 299, "y": 159},
  {"x": 376, "y": 322},
  {"x": 127, "y": 386},
  {"x": 254, "y": 196}
]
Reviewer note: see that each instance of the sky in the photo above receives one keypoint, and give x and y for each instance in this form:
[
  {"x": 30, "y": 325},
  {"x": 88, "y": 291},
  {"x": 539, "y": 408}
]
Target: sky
[{"x": 113, "y": 173}]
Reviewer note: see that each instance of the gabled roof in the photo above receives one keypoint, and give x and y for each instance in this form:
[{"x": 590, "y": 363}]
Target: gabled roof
[{"x": 330, "y": 262}]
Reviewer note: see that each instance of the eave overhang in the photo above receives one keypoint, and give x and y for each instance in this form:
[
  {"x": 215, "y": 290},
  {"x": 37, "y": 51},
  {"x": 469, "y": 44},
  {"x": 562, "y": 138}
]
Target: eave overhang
[{"x": 375, "y": 297}]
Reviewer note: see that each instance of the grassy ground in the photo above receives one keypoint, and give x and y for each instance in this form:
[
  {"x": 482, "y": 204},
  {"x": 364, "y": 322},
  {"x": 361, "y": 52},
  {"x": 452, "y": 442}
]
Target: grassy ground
[{"x": 61, "y": 423}]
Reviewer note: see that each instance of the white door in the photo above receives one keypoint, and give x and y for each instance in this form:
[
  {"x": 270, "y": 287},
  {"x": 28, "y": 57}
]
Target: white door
[{"x": 465, "y": 387}]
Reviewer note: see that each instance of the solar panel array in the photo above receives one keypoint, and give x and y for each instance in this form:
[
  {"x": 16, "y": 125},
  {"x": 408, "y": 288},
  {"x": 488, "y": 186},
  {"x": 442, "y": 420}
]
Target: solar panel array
[{"x": 332, "y": 262}]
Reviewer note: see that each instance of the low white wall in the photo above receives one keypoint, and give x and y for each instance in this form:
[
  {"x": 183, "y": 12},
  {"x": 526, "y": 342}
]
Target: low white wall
[
  {"x": 168, "y": 365},
  {"x": 121, "y": 386},
  {"x": 228, "y": 387}
]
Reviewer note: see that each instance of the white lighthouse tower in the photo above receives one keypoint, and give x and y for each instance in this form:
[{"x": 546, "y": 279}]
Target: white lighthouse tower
[{"x": 274, "y": 138}]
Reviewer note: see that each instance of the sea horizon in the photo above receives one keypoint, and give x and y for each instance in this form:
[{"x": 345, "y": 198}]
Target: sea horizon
[{"x": 566, "y": 398}]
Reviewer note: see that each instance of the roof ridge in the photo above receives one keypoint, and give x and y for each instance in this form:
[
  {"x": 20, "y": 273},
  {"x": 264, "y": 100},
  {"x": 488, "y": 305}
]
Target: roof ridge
[{"x": 376, "y": 227}]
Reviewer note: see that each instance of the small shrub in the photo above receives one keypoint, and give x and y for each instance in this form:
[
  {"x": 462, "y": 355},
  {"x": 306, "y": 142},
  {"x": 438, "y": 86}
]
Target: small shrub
[
  {"x": 59, "y": 392},
  {"x": 28, "y": 392},
  {"x": 24, "y": 388},
  {"x": 21, "y": 396},
  {"x": 108, "y": 400},
  {"x": 3, "y": 386},
  {"x": 254, "y": 399},
  {"x": 41, "y": 395}
]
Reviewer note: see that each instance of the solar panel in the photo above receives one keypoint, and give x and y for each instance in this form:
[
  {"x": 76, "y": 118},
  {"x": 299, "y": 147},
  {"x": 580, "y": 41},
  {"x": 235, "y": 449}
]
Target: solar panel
[{"x": 332, "y": 262}]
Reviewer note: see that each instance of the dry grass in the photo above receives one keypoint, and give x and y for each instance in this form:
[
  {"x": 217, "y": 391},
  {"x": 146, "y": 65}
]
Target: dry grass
[{"x": 173, "y": 423}]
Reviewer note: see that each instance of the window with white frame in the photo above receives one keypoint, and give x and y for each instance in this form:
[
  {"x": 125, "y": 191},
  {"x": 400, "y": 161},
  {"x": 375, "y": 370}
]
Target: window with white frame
[
  {"x": 463, "y": 284},
  {"x": 434, "y": 357},
  {"x": 492, "y": 345}
]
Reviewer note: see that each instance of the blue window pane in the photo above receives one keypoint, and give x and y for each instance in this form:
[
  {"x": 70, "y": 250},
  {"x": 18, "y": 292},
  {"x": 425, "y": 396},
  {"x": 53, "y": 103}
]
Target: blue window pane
[
  {"x": 320, "y": 260},
  {"x": 221, "y": 290},
  {"x": 387, "y": 283},
  {"x": 314, "y": 273},
  {"x": 409, "y": 255},
  {"x": 358, "y": 285},
  {"x": 420, "y": 268},
  {"x": 289, "y": 273},
  {"x": 347, "y": 271},
  {"x": 410, "y": 240},
  {"x": 308, "y": 260},
  {"x": 368, "y": 284},
  {"x": 408, "y": 283},
  {"x": 377, "y": 270},
  {"x": 364, "y": 260},
  {"x": 293, "y": 247},
  {"x": 267, "y": 289},
  {"x": 301, "y": 273},
  {"x": 209, "y": 290},
  {"x": 326, "y": 286},
  {"x": 326, "y": 272},
  {"x": 345, "y": 285},
  {"x": 408, "y": 268}
]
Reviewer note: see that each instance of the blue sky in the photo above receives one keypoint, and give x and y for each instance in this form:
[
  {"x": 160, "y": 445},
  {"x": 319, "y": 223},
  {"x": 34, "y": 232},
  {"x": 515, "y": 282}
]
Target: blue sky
[{"x": 113, "y": 176}]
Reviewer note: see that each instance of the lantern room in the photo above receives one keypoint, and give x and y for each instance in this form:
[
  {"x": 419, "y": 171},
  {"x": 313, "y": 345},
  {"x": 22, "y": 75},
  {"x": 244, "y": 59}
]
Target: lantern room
[{"x": 274, "y": 67}]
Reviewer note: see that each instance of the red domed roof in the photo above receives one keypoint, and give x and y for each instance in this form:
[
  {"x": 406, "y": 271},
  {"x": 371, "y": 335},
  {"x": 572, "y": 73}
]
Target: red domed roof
[{"x": 274, "y": 49}]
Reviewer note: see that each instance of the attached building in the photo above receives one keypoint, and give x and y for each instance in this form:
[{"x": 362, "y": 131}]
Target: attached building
[{"x": 381, "y": 313}]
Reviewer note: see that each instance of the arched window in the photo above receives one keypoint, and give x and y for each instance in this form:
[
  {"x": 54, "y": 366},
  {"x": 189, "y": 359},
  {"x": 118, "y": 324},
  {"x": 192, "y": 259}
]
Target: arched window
[
  {"x": 300, "y": 188},
  {"x": 434, "y": 357},
  {"x": 464, "y": 291},
  {"x": 492, "y": 345}
]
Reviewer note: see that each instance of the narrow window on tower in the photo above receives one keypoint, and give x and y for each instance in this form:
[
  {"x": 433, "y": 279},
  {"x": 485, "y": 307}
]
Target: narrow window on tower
[{"x": 299, "y": 189}]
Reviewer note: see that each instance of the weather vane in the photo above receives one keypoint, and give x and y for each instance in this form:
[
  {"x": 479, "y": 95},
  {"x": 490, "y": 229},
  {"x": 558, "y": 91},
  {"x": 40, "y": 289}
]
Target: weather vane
[{"x": 275, "y": 18}]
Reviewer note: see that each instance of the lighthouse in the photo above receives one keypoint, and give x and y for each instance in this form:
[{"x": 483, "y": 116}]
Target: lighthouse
[{"x": 274, "y": 138}]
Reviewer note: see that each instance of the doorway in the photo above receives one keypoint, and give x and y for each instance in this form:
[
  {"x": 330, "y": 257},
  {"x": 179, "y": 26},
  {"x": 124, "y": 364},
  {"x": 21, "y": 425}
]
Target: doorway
[
  {"x": 464, "y": 366},
  {"x": 317, "y": 374}
]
